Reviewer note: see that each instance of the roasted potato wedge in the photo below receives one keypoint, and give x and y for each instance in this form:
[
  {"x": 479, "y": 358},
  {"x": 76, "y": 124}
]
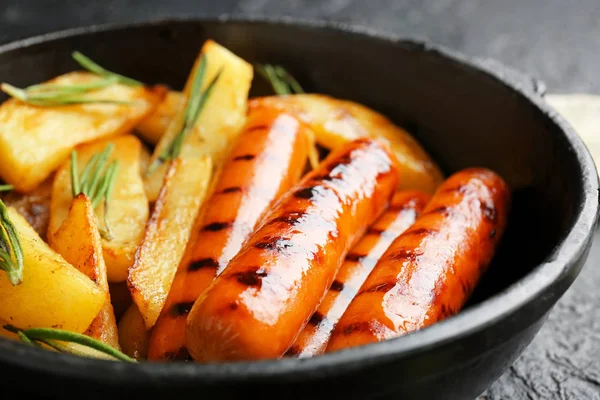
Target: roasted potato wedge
[
  {"x": 336, "y": 122},
  {"x": 34, "y": 206},
  {"x": 157, "y": 122},
  {"x": 53, "y": 292},
  {"x": 167, "y": 233},
  {"x": 34, "y": 141},
  {"x": 133, "y": 335},
  {"x": 221, "y": 119},
  {"x": 78, "y": 241},
  {"x": 129, "y": 208},
  {"x": 144, "y": 159}
]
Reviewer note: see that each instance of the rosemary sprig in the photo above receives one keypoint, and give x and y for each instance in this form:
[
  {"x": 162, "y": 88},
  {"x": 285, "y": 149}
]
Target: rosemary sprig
[
  {"x": 280, "y": 79},
  {"x": 96, "y": 181},
  {"x": 59, "y": 95},
  {"x": 283, "y": 83},
  {"x": 6, "y": 188},
  {"x": 11, "y": 253},
  {"x": 196, "y": 101},
  {"x": 55, "y": 339},
  {"x": 91, "y": 66},
  {"x": 52, "y": 95}
]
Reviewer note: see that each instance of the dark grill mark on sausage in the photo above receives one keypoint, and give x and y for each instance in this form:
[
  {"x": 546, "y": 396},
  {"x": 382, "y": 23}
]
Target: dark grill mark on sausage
[
  {"x": 380, "y": 287},
  {"x": 180, "y": 355},
  {"x": 461, "y": 189},
  {"x": 233, "y": 189},
  {"x": 440, "y": 210},
  {"x": 216, "y": 226},
  {"x": 419, "y": 232},
  {"x": 353, "y": 257},
  {"x": 489, "y": 211},
  {"x": 444, "y": 311},
  {"x": 245, "y": 157},
  {"x": 364, "y": 326},
  {"x": 306, "y": 193},
  {"x": 275, "y": 243},
  {"x": 337, "y": 286},
  {"x": 182, "y": 309},
  {"x": 325, "y": 177},
  {"x": 293, "y": 351},
  {"x": 375, "y": 231},
  {"x": 256, "y": 128},
  {"x": 404, "y": 255},
  {"x": 233, "y": 306},
  {"x": 492, "y": 233},
  {"x": 203, "y": 263},
  {"x": 345, "y": 159},
  {"x": 316, "y": 318},
  {"x": 291, "y": 218},
  {"x": 400, "y": 207},
  {"x": 465, "y": 288},
  {"x": 251, "y": 277}
]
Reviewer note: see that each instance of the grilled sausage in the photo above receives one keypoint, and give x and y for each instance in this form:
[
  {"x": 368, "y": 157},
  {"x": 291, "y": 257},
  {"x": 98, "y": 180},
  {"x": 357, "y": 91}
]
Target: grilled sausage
[
  {"x": 268, "y": 159},
  {"x": 260, "y": 303},
  {"x": 429, "y": 271},
  {"x": 359, "y": 262}
]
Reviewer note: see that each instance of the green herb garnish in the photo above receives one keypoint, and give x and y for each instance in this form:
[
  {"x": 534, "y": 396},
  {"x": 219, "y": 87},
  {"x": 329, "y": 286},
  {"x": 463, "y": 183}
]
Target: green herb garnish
[
  {"x": 96, "y": 181},
  {"x": 51, "y": 94},
  {"x": 282, "y": 81},
  {"x": 55, "y": 339},
  {"x": 59, "y": 95},
  {"x": 6, "y": 188},
  {"x": 195, "y": 104},
  {"x": 91, "y": 66},
  {"x": 11, "y": 254}
]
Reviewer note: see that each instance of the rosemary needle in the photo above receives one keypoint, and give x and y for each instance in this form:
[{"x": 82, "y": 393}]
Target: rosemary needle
[
  {"x": 54, "y": 337},
  {"x": 196, "y": 102},
  {"x": 280, "y": 79},
  {"x": 11, "y": 253},
  {"x": 53, "y": 94},
  {"x": 91, "y": 66},
  {"x": 283, "y": 83},
  {"x": 96, "y": 181}
]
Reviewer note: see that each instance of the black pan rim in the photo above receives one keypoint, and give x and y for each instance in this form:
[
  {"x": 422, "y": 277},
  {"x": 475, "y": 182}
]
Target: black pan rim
[{"x": 557, "y": 270}]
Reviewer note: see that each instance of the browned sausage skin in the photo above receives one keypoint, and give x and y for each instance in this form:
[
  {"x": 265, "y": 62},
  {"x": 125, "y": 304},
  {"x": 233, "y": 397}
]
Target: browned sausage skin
[
  {"x": 264, "y": 297},
  {"x": 429, "y": 271},
  {"x": 359, "y": 262},
  {"x": 267, "y": 159}
]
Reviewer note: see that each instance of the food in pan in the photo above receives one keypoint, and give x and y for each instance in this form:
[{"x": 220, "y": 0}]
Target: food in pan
[{"x": 141, "y": 223}]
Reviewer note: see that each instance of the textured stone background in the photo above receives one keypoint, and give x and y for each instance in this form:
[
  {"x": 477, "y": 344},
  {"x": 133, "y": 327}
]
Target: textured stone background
[{"x": 554, "y": 40}]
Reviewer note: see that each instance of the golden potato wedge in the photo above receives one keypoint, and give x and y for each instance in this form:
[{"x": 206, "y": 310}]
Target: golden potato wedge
[
  {"x": 167, "y": 233},
  {"x": 34, "y": 205},
  {"x": 337, "y": 121},
  {"x": 133, "y": 335},
  {"x": 144, "y": 159},
  {"x": 34, "y": 141},
  {"x": 221, "y": 119},
  {"x": 157, "y": 122},
  {"x": 53, "y": 292},
  {"x": 78, "y": 241},
  {"x": 128, "y": 204}
]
